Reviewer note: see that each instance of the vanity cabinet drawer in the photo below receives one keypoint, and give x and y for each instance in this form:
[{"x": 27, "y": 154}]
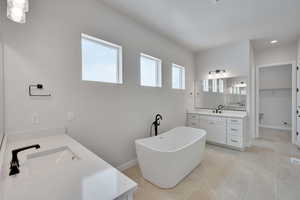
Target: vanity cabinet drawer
[
  {"x": 235, "y": 141},
  {"x": 235, "y": 121},
  {"x": 194, "y": 123},
  {"x": 235, "y": 130},
  {"x": 193, "y": 116},
  {"x": 215, "y": 128}
]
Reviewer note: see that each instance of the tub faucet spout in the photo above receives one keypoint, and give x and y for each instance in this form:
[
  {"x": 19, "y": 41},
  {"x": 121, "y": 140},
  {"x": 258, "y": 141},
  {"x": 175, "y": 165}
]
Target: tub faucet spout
[{"x": 14, "y": 164}]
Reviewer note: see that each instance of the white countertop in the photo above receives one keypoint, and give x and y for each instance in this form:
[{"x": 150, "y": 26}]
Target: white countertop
[
  {"x": 225, "y": 113},
  {"x": 88, "y": 178}
]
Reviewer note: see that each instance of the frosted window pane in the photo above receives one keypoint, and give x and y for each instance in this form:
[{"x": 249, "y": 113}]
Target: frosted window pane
[
  {"x": 100, "y": 62},
  {"x": 183, "y": 78},
  {"x": 221, "y": 86},
  {"x": 214, "y": 85},
  {"x": 176, "y": 78},
  {"x": 149, "y": 72},
  {"x": 205, "y": 85}
]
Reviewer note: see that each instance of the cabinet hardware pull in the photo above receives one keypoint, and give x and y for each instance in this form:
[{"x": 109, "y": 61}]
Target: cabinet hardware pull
[
  {"x": 234, "y": 141},
  {"x": 233, "y": 129}
]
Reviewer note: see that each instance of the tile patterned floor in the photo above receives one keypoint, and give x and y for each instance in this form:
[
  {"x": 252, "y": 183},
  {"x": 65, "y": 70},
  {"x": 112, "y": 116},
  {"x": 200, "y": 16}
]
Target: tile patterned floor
[{"x": 263, "y": 172}]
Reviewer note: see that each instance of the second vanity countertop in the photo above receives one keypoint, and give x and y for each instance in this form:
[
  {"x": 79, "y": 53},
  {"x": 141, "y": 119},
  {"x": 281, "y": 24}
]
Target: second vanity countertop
[
  {"x": 87, "y": 178},
  {"x": 225, "y": 113}
]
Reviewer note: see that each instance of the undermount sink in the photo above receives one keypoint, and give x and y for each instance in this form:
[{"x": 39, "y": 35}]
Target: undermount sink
[{"x": 51, "y": 157}]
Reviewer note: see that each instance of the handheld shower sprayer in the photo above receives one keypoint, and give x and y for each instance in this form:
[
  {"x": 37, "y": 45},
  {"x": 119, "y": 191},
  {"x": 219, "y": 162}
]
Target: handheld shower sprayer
[{"x": 156, "y": 124}]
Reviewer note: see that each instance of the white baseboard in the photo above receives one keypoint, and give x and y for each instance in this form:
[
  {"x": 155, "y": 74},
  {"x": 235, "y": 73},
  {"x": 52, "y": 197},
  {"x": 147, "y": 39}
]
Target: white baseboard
[
  {"x": 275, "y": 127},
  {"x": 127, "y": 165}
]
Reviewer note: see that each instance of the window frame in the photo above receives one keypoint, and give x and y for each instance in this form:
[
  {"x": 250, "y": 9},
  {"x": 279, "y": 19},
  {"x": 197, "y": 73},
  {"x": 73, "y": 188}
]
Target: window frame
[
  {"x": 182, "y": 77},
  {"x": 205, "y": 85},
  {"x": 119, "y": 74},
  {"x": 158, "y": 70}
]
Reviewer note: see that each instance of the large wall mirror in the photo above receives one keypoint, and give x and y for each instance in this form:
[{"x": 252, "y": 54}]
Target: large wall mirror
[{"x": 229, "y": 92}]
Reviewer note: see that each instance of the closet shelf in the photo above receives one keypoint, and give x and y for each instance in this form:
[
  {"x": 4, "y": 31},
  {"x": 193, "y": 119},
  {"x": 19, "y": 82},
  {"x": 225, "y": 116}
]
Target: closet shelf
[{"x": 266, "y": 89}]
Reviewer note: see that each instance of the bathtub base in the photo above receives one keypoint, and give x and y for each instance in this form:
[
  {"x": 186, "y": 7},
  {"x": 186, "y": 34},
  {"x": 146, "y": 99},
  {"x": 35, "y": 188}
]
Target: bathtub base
[{"x": 170, "y": 186}]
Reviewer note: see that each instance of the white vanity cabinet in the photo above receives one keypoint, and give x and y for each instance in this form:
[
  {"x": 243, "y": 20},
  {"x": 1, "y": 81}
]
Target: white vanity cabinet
[
  {"x": 215, "y": 128},
  {"x": 223, "y": 129}
]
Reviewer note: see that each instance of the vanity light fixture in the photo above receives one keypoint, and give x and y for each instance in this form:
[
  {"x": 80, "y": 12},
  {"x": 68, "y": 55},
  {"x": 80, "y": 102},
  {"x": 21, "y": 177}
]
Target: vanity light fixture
[
  {"x": 16, "y": 10},
  {"x": 216, "y": 74},
  {"x": 241, "y": 84},
  {"x": 274, "y": 41}
]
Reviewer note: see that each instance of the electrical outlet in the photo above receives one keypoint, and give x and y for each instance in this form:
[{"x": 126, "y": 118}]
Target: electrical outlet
[
  {"x": 70, "y": 116},
  {"x": 35, "y": 118}
]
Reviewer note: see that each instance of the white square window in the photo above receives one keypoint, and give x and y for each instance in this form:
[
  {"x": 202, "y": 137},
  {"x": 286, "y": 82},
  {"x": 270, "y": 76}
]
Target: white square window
[
  {"x": 205, "y": 85},
  {"x": 150, "y": 71},
  {"x": 221, "y": 85},
  {"x": 215, "y": 85},
  {"x": 101, "y": 60},
  {"x": 178, "y": 77}
]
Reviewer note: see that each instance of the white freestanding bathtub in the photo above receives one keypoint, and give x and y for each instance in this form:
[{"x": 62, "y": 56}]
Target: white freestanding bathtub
[{"x": 166, "y": 159}]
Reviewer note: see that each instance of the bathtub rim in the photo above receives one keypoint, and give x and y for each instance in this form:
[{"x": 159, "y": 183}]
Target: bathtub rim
[{"x": 203, "y": 135}]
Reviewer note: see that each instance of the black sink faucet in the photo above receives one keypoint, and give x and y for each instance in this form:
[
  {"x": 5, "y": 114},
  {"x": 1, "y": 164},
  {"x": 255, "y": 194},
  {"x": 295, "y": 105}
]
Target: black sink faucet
[
  {"x": 14, "y": 164},
  {"x": 156, "y": 123},
  {"x": 219, "y": 109}
]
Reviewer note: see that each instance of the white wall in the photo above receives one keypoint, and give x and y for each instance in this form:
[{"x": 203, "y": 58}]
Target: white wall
[
  {"x": 277, "y": 54},
  {"x": 237, "y": 60},
  {"x": 1, "y": 84},
  {"x": 252, "y": 97},
  {"x": 299, "y": 51},
  {"x": 276, "y": 107},
  {"x": 234, "y": 58},
  {"x": 1, "y": 91},
  {"x": 108, "y": 118},
  {"x": 276, "y": 77}
]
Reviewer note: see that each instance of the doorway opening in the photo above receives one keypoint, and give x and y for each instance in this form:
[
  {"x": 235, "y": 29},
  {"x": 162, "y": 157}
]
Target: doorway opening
[{"x": 276, "y": 102}]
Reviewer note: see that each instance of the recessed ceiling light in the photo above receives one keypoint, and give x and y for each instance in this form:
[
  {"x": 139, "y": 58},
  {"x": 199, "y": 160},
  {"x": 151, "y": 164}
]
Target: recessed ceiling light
[
  {"x": 216, "y": 1},
  {"x": 274, "y": 41}
]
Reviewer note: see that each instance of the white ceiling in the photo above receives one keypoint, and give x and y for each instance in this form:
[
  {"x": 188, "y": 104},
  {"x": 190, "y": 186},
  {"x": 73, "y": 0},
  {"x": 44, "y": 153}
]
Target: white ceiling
[{"x": 201, "y": 24}]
